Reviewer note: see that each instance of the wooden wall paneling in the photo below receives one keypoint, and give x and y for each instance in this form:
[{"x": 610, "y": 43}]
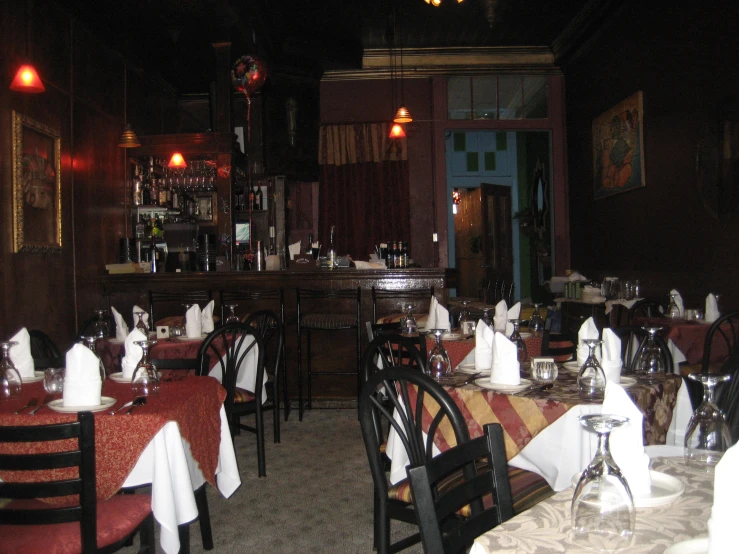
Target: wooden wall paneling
[
  {"x": 468, "y": 240},
  {"x": 98, "y": 74}
]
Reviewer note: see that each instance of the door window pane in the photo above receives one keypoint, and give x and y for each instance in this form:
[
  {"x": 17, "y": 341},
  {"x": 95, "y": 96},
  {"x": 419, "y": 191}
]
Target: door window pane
[
  {"x": 535, "y": 97},
  {"x": 484, "y": 97},
  {"x": 459, "y": 98},
  {"x": 511, "y": 101}
]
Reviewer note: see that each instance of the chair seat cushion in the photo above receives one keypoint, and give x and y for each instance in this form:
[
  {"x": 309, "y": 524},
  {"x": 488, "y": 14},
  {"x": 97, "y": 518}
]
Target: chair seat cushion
[
  {"x": 527, "y": 489},
  {"x": 242, "y": 396},
  {"x": 117, "y": 518},
  {"x": 328, "y": 321}
]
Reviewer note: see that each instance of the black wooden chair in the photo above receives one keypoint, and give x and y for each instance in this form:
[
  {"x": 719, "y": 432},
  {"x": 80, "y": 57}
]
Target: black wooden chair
[
  {"x": 319, "y": 319},
  {"x": 420, "y": 298},
  {"x": 562, "y": 346},
  {"x": 44, "y": 351},
  {"x": 230, "y": 345},
  {"x": 391, "y": 349},
  {"x": 644, "y": 308},
  {"x": 89, "y": 327},
  {"x": 272, "y": 332},
  {"x": 723, "y": 333},
  {"x": 90, "y": 525},
  {"x": 173, "y": 301},
  {"x": 472, "y": 476},
  {"x": 633, "y": 339}
]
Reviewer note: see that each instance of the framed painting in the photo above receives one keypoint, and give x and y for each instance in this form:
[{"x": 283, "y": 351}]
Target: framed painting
[
  {"x": 37, "y": 186},
  {"x": 618, "y": 148}
]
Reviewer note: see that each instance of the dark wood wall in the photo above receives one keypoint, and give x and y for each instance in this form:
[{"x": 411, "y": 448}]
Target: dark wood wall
[
  {"x": 684, "y": 58},
  {"x": 84, "y": 101}
]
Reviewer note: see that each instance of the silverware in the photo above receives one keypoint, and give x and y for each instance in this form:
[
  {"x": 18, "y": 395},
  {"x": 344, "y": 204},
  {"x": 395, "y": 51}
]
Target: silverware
[
  {"x": 31, "y": 404},
  {"x": 140, "y": 401},
  {"x": 471, "y": 378},
  {"x": 126, "y": 405},
  {"x": 534, "y": 388},
  {"x": 47, "y": 399}
]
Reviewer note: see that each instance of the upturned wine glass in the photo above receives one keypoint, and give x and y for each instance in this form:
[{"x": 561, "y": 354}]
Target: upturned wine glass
[
  {"x": 10, "y": 378},
  {"x": 673, "y": 312},
  {"x": 522, "y": 353},
  {"x": 486, "y": 316},
  {"x": 145, "y": 379},
  {"x": 650, "y": 360},
  {"x": 409, "y": 322},
  {"x": 707, "y": 435},
  {"x": 102, "y": 328},
  {"x": 466, "y": 323},
  {"x": 536, "y": 323},
  {"x": 185, "y": 307},
  {"x": 140, "y": 324},
  {"x": 232, "y": 317},
  {"x": 91, "y": 343},
  {"x": 591, "y": 381},
  {"x": 438, "y": 365},
  {"x": 603, "y": 513}
]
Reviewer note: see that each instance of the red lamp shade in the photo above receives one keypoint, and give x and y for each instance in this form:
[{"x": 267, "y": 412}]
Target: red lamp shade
[
  {"x": 177, "y": 161},
  {"x": 397, "y": 131},
  {"x": 27, "y": 80}
]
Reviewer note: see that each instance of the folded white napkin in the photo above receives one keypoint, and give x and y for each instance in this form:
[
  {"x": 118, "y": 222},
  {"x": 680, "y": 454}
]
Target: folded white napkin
[
  {"x": 82, "y": 384},
  {"x": 121, "y": 329},
  {"x": 438, "y": 316},
  {"x": 513, "y": 313},
  {"x": 484, "y": 336},
  {"x": 500, "y": 318},
  {"x": 505, "y": 370},
  {"x": 145, "y": 318},
  {"x": 206, "y": 318},
  {"x": 193, "y": 325},
  {"x": 132, "y": 353},
  {"x": 294, "y": 249},
  {"x": 20, "y": 354},
  {"x": 627, "y": 442},
  {"x": 611, "y": 361},
  {"x": 575, "y": 276},
  {"x": 588, "y": 330},
  {"x": 679, "y": 302},
  {"x": 711, "y": 314},
  {"x": 721, "y": 532},
  {"x": 368, "y": 265}
]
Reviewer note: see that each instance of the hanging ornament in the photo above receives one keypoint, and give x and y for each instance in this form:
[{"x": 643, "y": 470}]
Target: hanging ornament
[{"x": 248, "y": 74}]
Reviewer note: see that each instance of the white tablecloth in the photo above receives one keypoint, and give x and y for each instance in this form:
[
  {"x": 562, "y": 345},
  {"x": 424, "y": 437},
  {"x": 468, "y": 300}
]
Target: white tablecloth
[
  {"x": 167, "y": 464},
  {"x": 247, "y": 376}
]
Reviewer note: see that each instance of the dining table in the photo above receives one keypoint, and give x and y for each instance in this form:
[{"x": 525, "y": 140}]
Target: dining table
[
  {"x": 540, "y": 427},
  {"x": 686, "y": 339},
  {"x": 176, "y": 442},
  {"x": 546, "y": 527}
]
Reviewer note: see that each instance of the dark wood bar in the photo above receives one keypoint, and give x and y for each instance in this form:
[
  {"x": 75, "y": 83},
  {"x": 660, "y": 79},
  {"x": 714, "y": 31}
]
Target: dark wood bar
[{"x": 331, "y": 351}]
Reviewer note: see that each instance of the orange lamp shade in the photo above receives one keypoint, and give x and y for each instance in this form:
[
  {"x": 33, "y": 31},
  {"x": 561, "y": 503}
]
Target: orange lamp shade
[
  {"x": 27, "y": 80},
  {"x": 177, "y": 160},
  {"x": 397, "y": 131}
]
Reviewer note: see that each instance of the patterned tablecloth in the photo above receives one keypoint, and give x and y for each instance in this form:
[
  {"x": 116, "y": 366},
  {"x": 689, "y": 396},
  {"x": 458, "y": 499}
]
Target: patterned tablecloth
[
  {"x": 193, "y": 402},
  {"x": 111, "y": 351},
  {"x": 545, "y": 528}
]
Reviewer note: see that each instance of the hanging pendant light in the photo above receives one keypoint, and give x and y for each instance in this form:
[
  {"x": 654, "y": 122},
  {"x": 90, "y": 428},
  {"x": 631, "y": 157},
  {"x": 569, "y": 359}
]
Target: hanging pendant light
[
  {"x": 27, "y": 80},
  {"x": 397, "y": 131},
  {"x": 128, "y": 138},
  {"x": 402, "y": 115},
  {"x": 177, "y": 161}
]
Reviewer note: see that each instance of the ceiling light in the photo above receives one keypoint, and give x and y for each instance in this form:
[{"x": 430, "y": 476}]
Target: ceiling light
[
  {"x": 177, "y": 161},
  {"x": 128, "y": 138},
  {"x": 397, "y": 131},
  {"x": 27, "y": 80},
  {"x": 402, "y": 115}
]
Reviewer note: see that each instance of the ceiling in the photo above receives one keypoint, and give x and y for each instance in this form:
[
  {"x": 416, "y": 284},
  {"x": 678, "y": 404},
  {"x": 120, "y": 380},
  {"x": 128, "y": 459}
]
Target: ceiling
[{"x": 173, "y": 37}]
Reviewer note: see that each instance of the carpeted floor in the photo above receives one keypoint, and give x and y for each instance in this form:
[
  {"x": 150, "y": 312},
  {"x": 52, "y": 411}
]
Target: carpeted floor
[{"x": 316, "y": 497}]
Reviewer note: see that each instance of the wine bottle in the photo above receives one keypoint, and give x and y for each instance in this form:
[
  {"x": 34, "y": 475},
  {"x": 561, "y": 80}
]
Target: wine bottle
[
  {"x": 252, "y": 199},
  {"x": 258, "y": 199}
]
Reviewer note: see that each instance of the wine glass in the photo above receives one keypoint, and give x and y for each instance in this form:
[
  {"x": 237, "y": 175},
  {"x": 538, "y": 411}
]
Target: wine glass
[
  {"x": 91, "y": 343},
  {"x": 232, "y": 317},
  {"x": 140, "y": 324},
  {"x": 544, "y": 372},
  {"x": 54, "y": 380},
  {"x": 603, "y": 513},
  {"x": 101, "y": 326},
  {"x": 522, "y": 353},
  {"x": 486, "y": 317},
  {"x": 439, "y": 365},
  {"x": 649, "y": 360},
  {"x": 591, "y": 381},
  {"x": 673, "y": 312},
  {"x": 536, "y": 323},
  {"x": 466, "y": 323},
  {"x": 10, "y": 379},
  {"x": 185, "y": 307},
  {"x": 707, "y": 435},
  {"x": 409, "y": 323},
  {"x": 145, "y": 379}
]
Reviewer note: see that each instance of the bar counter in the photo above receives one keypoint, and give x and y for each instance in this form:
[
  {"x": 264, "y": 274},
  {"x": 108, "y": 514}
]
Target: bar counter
[{"x": 330, "y": 351}]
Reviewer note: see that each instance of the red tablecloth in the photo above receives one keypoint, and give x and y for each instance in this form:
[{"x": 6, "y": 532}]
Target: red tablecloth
[
  {"x": 688, "y": 336},
  {"x": 111, "y": 351},
  {"x": 193, "y": 402}
]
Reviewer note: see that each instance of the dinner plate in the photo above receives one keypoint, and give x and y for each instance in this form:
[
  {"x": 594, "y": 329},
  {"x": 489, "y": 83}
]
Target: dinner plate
[
  {"x": 526, "y": 335},
  {"x": 469, "y": 369},
  {"x": 692, "y": 546},
  {"x": 572, "y": 365},
  {"x": 58, "y": 406},
  {"x": 119, "y": 378},
  {"x": 452, "y": 336},
  {"x": 37, "y": 376},
  {"x": 183, "y": 338},
  {"x": 665, "y": 489},
  {"x": 484, "y": 383}
]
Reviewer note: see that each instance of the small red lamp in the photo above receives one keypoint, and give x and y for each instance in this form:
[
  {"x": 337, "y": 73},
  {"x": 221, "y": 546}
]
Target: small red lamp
[
  {"x": 27, "y": 80},
  {"x": 177, "y": 161},
  {"x": 397, "y": 131}
]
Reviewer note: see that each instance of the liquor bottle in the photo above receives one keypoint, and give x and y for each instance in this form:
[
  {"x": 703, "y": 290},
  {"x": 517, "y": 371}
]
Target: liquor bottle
[
  {"x": 310, "y": 244},
  {"x": 146, "y": 194},
  {"x": 400, "y": 254},
  {"x": 137, "y": 187},
  {"x": 163, "y": 192},
  {"x": 153, "y": 250},
  {"x": 396, "y": 255},
  {"x": 404, "y": 254},
  {"x": 252, "y": 199},
  {"x": 258, "y": 202},
  {"x": 331, "y": 248}
]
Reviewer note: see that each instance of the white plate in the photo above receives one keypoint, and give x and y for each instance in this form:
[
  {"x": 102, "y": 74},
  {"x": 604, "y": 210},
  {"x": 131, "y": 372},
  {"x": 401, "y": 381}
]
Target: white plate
[
  {"x": 470, "y": 369},
  {"x": 37, "y": 376},
  {"x": 119, "y": 378},
  {"x": 665, "y": 489},
  {"x": 484, "y": 383},
  {"x": 58, "y": 406},
  {"x": 183, "y": 338},
  {"x": 572, "y": 365},
  {"x": 692, "y": 546},
  {"x": 115, "y": 341},
  {"x": 452, "y": 336},
  {"x": 526, "y": 335}
]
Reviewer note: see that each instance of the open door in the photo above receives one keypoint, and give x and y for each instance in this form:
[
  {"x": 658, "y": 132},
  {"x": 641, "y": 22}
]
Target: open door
[{"x": 497, "y": 235}]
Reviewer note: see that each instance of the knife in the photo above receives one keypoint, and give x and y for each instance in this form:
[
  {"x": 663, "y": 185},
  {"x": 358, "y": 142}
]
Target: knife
[
  {"x": 31, "y": 404},
  {"x": 534, "y": 388},
  {"x": 47, "y": 399},
  {"x": 126, "y": 405}
]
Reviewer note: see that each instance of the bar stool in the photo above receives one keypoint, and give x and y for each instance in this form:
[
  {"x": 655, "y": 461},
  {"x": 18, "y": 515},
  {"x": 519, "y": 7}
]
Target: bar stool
[
  {"x": 420, "y": 298},
  {"x": 325, "y": 322}
]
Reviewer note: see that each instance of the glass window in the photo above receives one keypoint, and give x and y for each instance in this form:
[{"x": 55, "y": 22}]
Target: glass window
[
  {"x": 484, "y": 97},
  {"x": 459, "y": 98},
  {"x": 536, "y": 96},
  {"x": 511, "y": 98}
]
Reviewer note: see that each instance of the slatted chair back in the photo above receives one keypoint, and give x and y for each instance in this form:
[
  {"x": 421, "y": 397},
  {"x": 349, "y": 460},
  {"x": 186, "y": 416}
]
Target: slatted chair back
[
  {"x": 722, "y": 335},
  {"x": 644, "y": 308},
  {"x": 247, "y": 299},
  {"x": 44, "y": 351},
  {"x": 562, "y": 346},
  {"x": 89, "y": 327},
  {"x": 478, "y": 473},
  {"x": 420, "y": 299},
  {"x": 391, "y": 349},
  {"x": 395, "y": 397},
  {"x": 174, "y": 301}
]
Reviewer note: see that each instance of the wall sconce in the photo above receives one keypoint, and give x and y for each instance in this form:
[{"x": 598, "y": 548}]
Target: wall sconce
[
  {"x": 177, "y": 161},
  {"x": 396, "y": 131}
]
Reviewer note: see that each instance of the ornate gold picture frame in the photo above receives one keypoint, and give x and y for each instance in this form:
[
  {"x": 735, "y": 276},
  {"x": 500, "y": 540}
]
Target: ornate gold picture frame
[{"x": 37, "y": 186}]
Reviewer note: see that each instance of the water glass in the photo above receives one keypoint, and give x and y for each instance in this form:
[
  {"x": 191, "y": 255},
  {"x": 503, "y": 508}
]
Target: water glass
[
  {"x": 10, "y": 379},
  {"x": 438, "y": 365},
  {"x": 536, "y": 323},
  {"x": 673, "y": 312},
  {"x": 591, "y": 381},
  {"x": 54, "y": 380},
  {"x": 707, "y": 435},
  {"x": 522, "y": 354},
  {"x": 145, "y": 379},
  {"x": 650, "y": 360},
  {"x": 544, "y": 372}
]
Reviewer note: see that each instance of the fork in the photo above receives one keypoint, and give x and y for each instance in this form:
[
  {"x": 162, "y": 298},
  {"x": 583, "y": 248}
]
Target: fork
[{"x": 31, "y": 404}]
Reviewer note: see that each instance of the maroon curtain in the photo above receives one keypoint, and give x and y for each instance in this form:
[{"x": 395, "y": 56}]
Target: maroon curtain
[{"x": 368, "y": 202}]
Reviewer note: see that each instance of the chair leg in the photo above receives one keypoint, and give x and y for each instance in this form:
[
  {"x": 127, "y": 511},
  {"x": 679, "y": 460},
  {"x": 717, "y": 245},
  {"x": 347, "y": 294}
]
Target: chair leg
[
  {"x": 284, "y": 381},
  {"x": 382, "y": 527},
  {"x": 276, "y": 408},
  {"x": 309, "y": 405},
  {"x": 300, "y": 375},
  {"x": 146, "y": 536},
  {"x": 184, "y": 533},
  {"x": 261, "y": 465},
  {"x": 201, "y": 501}
]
